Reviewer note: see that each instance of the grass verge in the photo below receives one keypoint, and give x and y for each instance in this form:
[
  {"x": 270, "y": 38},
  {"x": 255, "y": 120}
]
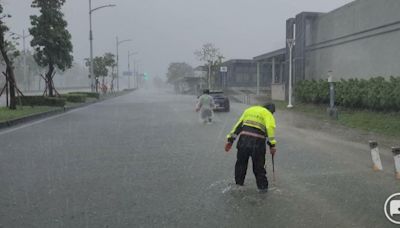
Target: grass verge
[
  {"x": 7, "y": 114},
  {"x": 387, "y": 124}
]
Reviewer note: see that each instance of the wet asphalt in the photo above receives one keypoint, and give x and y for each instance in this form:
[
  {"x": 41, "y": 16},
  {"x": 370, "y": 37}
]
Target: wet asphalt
[{"x": 145, "y": 160}]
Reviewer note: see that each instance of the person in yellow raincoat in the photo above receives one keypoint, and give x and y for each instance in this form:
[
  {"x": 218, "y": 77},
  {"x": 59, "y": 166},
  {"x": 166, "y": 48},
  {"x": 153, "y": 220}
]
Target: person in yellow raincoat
[{"x": 255, "y": 129}]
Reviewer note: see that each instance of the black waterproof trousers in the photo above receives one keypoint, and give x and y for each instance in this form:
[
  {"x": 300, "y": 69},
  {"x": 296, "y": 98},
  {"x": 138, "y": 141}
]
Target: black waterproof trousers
[{"x": 255, "y": 148}]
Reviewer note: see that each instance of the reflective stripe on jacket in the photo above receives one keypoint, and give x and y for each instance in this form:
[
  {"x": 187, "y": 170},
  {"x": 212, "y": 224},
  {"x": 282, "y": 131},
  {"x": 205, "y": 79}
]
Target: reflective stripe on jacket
[{"x": 259, "y": 118}]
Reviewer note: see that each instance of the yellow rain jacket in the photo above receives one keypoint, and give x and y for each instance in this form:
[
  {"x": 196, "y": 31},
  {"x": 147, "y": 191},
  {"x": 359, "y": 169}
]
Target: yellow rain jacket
[{"x": 255, "y": 121}]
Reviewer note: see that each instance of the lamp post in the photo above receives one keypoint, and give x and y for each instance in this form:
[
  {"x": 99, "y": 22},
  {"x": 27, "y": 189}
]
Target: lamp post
[
  {"x": 23, "y": 36},
  {"x": 136, "y": 72},
  {"x": 119, "y": 42},
  {"x": 291, "y": 43},
  {"x": 332, "y": 110},
  {"x": 258, "y": 78},
  {"x": 92, "y": 79},
  {"x": 129, "y": 67}
]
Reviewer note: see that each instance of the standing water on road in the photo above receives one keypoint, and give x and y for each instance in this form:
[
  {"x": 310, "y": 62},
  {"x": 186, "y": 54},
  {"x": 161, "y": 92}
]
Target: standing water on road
[{"x": 206, "y": 113}]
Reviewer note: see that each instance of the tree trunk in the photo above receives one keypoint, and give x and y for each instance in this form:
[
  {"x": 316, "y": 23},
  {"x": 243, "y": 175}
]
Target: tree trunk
[
  {"x": 49, "y": 77},
  {"x": 103, "y": 86},
  {"x": 11, "y": 78},
  {"x": 10, "y": 74},
  {"x": 112, "y": 80},
  {"x": 209, "y": 76}
]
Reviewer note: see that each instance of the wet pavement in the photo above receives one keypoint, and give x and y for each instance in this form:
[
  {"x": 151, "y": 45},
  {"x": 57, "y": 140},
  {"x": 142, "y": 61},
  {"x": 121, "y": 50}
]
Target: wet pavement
[{"x": 145, "y": 160}]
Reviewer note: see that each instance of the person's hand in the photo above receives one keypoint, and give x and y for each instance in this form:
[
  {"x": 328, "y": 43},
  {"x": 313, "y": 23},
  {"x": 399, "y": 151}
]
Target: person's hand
[
  {"x": 272, "y": 150},
  {"x": 228, "y": 146}
]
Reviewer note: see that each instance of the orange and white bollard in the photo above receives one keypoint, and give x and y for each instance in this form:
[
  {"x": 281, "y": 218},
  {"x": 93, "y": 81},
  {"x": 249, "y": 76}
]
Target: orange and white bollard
[
  {"x": 396, "y": 154},
  {"x": 376, "y": 158}
]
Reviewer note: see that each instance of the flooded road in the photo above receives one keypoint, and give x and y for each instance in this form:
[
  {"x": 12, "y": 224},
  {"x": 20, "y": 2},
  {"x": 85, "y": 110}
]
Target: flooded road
[{"x": 145, "y": 160}]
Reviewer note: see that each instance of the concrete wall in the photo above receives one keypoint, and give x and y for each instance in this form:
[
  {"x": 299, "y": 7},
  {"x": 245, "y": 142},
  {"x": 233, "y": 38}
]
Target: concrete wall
[
  {"x": 244, "y": 74},
  {"x": 361, "y": 39},
  {"x": 278, "y": 92}
]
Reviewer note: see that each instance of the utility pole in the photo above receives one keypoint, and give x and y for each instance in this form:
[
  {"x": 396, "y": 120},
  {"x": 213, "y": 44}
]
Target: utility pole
[
  {"x": 129, "y": 68},
  {"x": 117, "y": 47},
  {"x": 136, "y": 72},
  {"x": 91, "y": 70},
  {"x": 291, "y": 43},
  {"x": 258, "y": 78},
  {"x": 332, "y": 110},
  {"x": 209, "y": 75},
  {"x": 24, "y": 44},
  {"x": 91, "y": 48},
  {"x": 117, "y": 43}
]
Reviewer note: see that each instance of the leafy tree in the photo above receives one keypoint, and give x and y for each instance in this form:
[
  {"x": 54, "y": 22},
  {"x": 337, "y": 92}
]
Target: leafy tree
[
  {"x": 109, "y": 61},
  {"x": 211, "y": 56},
  {"x": 51, "y": 39},
  {"x": 179, "y": 70},
  {"x": 102, "y": 65},
  {"x": 99, "y": 68},
  {"x": 8, "y": 53},
  {"x": 215, "y": 67}
]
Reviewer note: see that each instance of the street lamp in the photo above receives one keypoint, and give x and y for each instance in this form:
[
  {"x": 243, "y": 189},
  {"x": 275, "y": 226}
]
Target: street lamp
[
  {"x": 92, "y": 79},
  {"x": 23, "y": 36},
  {"x": 291, "y": 43},
  {"x": 332, "y": 110},
  {"x": 136, "y": 72},
  {"x": 129, "y": 67},
  {"x": 119, "y": 42}
]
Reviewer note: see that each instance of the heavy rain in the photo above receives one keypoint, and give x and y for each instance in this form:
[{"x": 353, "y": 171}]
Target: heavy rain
[{"x": 184, "y": 113}]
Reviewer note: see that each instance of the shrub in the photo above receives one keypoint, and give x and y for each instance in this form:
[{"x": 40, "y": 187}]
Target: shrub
[
  {"x": 88, "y": 94},
  {"x": 129, "y": 90},
  {"x": 75, "y": 98},
  {"x": 43, "y": 101},
  {"x": 376, "y": 93}
]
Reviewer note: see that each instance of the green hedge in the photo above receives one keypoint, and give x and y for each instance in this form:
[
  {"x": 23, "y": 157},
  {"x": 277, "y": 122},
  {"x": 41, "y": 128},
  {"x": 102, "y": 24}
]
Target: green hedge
[
  {"x": 43, "y": 101},
  {"x": 75, "y": 98},
  {"x": 377, "y": 93},
  {"x": 88, "y": 94},
  {"x": 129, "y": 90}
]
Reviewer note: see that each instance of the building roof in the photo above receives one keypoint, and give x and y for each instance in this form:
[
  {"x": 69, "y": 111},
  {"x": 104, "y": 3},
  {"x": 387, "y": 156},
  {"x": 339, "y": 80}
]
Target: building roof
[
  {"x": 270, "y": 54},
  {"x": 233, "y": 61}
]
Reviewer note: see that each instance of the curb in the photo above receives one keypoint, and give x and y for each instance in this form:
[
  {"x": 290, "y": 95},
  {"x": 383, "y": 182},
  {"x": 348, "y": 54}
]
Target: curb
[
  {"x": 42, "y": 115},
  {"x": 14, "y": 122}
]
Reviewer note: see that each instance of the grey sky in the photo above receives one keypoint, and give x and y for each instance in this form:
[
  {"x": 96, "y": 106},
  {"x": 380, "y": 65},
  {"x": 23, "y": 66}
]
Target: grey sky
[{"x": 165, "y": 31}]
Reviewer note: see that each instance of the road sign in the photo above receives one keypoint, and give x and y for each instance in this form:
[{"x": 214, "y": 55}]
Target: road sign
[{"x": 223, "y": 69}]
